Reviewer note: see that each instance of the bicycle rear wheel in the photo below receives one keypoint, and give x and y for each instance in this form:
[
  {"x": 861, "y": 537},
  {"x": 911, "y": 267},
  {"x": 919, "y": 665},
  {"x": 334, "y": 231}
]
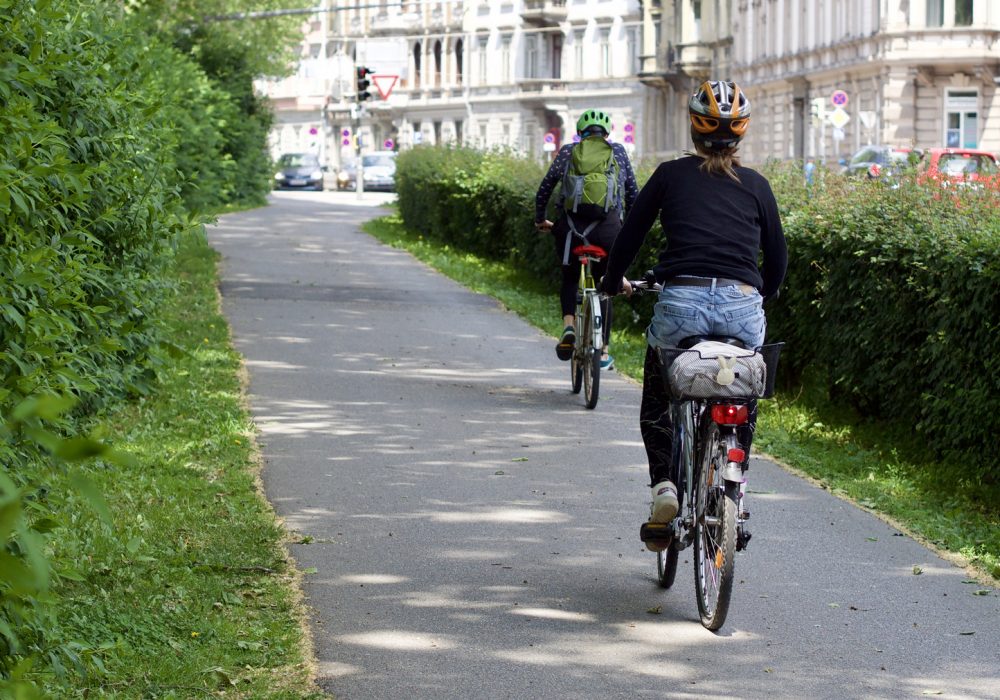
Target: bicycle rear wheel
[
  {"x": 715, "y": 530},
  {"x": 591, "y": 356}
]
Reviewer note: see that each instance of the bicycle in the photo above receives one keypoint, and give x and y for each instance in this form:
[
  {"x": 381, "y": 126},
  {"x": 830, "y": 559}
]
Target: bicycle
[
  {"x": 712, "y": 481},
  {"x": 585, "y": 363}
]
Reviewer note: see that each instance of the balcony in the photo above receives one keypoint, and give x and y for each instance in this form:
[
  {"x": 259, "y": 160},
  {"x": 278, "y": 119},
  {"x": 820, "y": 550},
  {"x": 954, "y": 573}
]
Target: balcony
[
  {"x": 694, "y": 60},
  {"x": 544, "y": 13},
  {"x": 539, "y": 91}
]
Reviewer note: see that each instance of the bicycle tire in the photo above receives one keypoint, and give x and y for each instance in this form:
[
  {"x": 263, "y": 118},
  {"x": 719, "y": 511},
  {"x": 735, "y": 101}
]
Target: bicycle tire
[
  {"x": 576, "y": 371},
  {"x": 666, "y": 566},
  {"x": 715, "y": 531},
  {"x": 591, "y": 357}
]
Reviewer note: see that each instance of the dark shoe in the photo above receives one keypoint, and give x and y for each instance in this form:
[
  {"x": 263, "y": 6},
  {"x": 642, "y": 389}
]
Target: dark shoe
[{"x": 564, "y": 350}]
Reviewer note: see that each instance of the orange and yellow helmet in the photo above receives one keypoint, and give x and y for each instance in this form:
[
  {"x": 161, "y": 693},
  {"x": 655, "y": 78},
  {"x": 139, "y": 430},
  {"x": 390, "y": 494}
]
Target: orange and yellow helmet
[{"x": 720, "y": 114}]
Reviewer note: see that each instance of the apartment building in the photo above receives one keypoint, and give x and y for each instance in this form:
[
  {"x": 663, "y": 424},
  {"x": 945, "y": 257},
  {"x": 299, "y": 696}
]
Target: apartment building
[
  {"x": 825, "y": 78},
  {"x": 921, "y": 73},
  {"x": 508, "y": 73}
]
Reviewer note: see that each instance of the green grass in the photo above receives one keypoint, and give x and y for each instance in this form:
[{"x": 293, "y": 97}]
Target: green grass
[
  {"x": 879, "y": 467},
  {"x": 188, "y": 591}
]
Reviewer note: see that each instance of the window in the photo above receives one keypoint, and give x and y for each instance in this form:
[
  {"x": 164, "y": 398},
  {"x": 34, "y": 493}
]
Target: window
[
  {"x": 437, "y": 64},
  {"x": 963, "y": 13},
  {"x": 505, "y": 58},
  {"x": 696, "y": 10},
  {"x": 483, "y": 43},
  {"x": 578, "y": 54},
  {"x": 632, "y": 48},
  {"x": 961, "y": 119},
  {"x": 935, "y": 13},
  {"x": 416, "y": 64},
  {"x": 459, "y": 48},
  {"x": 557, "y": 44},
  {"x": 531, "y": 57},
  {"x": 605, "y": 53}
]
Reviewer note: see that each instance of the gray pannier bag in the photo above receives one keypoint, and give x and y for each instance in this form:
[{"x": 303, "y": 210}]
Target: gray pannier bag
[{"x": 712, "y": 369}]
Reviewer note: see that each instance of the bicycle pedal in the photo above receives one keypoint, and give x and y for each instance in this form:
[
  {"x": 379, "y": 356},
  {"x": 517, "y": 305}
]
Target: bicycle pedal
[
  {"x": 656, "y": 532},
  {"x": 742, "y": 539},
  {"x": 744, "y": 515}
]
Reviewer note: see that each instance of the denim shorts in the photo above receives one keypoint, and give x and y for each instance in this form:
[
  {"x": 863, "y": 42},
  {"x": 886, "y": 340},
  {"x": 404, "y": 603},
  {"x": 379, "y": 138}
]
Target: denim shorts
[{"x": 735, "y": 311}]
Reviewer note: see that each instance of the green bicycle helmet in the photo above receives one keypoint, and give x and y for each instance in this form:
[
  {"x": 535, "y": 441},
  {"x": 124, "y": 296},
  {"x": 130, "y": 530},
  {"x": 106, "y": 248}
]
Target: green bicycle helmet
[{"x": 593, "y": 117}]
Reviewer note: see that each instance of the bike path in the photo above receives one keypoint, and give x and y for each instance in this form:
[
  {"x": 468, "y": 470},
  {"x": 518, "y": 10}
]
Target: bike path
[{"x": 474, "y": 529}]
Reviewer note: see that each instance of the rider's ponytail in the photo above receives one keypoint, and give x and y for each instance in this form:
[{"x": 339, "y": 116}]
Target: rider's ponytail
[{"x": 722, "y": 162}]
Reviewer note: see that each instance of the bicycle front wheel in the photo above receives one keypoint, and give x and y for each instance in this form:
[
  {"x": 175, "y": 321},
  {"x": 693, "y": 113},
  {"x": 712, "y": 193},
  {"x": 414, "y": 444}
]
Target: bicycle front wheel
[
  {"x": 666, "y": 566},
  {"x": 576, "y": 370},
  {"x": 715, "y": 530},
  {"x": 591, "y": 356}
]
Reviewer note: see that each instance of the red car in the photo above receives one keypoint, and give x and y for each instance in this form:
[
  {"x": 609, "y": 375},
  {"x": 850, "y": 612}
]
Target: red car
[{"x": 960, "y": 165}]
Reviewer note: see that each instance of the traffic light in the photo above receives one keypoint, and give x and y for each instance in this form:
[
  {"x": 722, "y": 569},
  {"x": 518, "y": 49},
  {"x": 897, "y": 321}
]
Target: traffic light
[{"x": 363, "y": 83}]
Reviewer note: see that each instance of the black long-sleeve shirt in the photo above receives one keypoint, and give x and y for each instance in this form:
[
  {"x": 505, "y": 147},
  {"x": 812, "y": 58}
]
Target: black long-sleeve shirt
[
  {"x": 713, "y": 227},
  {"x": 626, "y": 178}
]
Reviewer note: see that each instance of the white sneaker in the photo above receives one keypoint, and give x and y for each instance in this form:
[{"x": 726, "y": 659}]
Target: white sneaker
[{"x": 664, "y": 502}]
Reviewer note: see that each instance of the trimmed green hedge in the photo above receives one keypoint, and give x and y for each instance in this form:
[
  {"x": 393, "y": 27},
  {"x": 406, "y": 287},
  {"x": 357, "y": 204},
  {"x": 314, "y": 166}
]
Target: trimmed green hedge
[
  {"x": 109, "y": 137},
  {"x": 893, "y": 294}
]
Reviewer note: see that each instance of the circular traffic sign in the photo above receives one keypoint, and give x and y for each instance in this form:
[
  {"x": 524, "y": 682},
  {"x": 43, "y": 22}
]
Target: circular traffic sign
[
  {"x": 549, "y": 138},
  {"x": 345, "y": 132},
  {"x": 388, "y": 144},
  {"x": 839, "y": 98}
]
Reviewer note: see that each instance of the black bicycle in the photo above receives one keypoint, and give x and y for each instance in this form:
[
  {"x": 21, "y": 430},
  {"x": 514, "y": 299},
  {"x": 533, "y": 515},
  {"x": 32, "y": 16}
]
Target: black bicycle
[{"x": 711, "y": 462}]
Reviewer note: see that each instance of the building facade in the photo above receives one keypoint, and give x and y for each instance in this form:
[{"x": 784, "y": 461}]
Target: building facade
[
  {"x": 825, "y": 78},
  {"x": 512, "y": 74},
  {"x": 828, "y": 78}
]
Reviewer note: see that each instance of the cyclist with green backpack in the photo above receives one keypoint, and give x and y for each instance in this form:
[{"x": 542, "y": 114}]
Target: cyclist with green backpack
[{"x": 598, "y": 186}]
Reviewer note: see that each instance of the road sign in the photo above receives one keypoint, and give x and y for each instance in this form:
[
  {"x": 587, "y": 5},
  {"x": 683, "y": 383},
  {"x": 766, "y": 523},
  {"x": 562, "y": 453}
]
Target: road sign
[
  {"x": 384, "y": 84},
  {"x": 388, "y": 144},
  {"x": 839, "y": 118},
  {"x": 839, "y": 98}
]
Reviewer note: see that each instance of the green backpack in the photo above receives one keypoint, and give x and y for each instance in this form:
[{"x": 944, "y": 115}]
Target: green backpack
[{"x": 590, "y": 185}]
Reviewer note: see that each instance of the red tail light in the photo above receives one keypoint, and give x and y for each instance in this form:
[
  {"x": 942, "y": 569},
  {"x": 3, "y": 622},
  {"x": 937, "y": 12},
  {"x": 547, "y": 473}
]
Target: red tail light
[{"x": 730, "y": 414}]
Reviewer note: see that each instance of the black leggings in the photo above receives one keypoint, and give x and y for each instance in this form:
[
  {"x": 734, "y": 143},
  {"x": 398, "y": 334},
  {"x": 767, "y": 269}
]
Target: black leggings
[{"x": 656, "y": 423}]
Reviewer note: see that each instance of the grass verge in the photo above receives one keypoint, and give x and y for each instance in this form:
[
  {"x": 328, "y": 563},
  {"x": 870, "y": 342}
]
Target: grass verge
[
  {"x": 187, "y": 591},
  {"x": 876, "y": 466}
]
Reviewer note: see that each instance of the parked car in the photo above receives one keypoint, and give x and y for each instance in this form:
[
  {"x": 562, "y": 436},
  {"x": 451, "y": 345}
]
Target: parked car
[
  {"x": 960, "y": 166},
  {"x": 347, "y": 176},
  {"x": 880, "y": 161},
  {"x": 299, "y": 171},
  {"x": 379, "y": 171}
]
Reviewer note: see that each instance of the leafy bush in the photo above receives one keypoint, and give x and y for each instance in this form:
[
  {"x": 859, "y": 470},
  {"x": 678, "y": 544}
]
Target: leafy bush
[{"x": 109, "y": 134}]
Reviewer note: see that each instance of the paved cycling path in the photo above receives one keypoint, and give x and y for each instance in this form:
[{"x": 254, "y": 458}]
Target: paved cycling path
[{"x": 474, "y": 528}]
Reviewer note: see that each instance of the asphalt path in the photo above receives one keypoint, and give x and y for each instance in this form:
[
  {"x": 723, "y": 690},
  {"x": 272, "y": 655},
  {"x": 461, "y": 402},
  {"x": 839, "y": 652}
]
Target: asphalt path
[{"x": 474, "y": 529}]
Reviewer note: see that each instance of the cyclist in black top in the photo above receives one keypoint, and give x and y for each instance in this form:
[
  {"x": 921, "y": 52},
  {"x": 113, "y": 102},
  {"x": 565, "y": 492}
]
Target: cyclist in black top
[
  {"x": 717, "y": 218},
  {"x": 568, "y": 227}
]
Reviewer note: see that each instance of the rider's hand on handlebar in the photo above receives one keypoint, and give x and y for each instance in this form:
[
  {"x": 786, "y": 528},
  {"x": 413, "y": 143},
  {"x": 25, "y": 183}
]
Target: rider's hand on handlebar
[
  {"x": 626, "y": 288},
  {"x": 543, "y": 226}
]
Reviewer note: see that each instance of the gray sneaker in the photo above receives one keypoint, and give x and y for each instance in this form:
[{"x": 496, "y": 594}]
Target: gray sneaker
[{"x": 664, "y": 502}]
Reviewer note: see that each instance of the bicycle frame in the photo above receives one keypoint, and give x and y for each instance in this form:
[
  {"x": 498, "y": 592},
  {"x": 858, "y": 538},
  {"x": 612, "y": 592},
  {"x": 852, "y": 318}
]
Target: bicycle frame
[{"x": 589, "y": 298}]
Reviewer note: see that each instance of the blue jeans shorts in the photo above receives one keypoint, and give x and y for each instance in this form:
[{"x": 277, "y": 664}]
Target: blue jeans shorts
[{"x": 735, "y": 310}]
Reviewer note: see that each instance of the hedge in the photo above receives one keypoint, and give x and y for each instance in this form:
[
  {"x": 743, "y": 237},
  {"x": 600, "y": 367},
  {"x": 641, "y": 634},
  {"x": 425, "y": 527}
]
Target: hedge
[
  {"x": 893, "y": 290},
  {"x": 108, "y": 137}
]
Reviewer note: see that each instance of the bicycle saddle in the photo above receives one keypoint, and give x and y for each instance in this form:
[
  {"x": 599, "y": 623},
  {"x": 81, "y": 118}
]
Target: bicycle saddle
[
  {"x": 594, "y": 251},
  {"x": 693, "y": 340}
]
